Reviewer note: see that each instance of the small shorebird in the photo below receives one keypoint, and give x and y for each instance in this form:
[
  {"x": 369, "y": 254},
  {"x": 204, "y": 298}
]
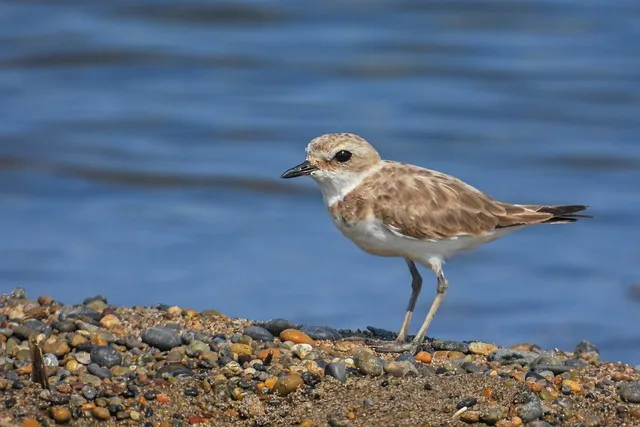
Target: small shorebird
[{"x": 396, "y": 209}]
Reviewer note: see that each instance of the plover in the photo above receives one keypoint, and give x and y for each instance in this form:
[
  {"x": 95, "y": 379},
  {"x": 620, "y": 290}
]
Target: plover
[{"x": 394, "y": 209}]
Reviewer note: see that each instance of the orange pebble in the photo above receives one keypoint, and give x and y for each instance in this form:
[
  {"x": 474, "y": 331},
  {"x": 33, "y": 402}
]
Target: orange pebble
[
  {"x": 295, "y": 336},
  {"x": 196, "y": 419},
  {"x": 423, "y": 357},
  {"x": 163, "y": 398},
  {"x": 270, "y": 383},
  {"x": 274, "y": 352},
  {"x": 487, "y": 392},
  {"x": 30, "y": 422}
]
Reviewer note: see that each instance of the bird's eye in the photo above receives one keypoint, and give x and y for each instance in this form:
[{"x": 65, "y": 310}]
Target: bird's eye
[{"x": 343, "y": 156}]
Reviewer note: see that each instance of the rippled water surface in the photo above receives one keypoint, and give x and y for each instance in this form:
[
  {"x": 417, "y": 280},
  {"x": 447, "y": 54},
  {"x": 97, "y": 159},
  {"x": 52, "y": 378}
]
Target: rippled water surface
[{"x": 141, "y": 145}]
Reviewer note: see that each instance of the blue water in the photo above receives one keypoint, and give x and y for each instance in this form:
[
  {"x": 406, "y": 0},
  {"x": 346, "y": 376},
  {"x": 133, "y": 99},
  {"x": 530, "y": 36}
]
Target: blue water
[{"x": 141, "y": 145}]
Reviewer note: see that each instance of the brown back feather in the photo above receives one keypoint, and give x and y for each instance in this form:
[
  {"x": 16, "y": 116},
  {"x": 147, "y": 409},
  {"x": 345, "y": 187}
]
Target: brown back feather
[{"x": 430, "y": 205}]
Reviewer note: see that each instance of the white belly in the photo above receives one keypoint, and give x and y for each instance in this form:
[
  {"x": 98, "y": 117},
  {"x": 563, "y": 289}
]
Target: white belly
[{"x": 374, "y": 237}]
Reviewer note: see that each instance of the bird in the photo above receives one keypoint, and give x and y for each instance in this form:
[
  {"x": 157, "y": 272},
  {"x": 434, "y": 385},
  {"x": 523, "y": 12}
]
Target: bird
[{"x": 400, "y": 210}]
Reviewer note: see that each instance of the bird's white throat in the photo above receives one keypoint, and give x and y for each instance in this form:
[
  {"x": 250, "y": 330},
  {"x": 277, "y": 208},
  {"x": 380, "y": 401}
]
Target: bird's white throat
[{"x": 335, "y": 185}]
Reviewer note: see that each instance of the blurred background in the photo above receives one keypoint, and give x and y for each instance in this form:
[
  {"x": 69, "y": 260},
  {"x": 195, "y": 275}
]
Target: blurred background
[{"x": 141, "y": 145}]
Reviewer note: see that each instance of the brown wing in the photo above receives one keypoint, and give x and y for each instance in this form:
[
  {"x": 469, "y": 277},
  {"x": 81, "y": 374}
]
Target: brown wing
[{"x": 429, "y": 205}]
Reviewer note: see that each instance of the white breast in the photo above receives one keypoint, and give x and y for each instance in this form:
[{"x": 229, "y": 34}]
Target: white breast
[{"x": 374, "y": 237}]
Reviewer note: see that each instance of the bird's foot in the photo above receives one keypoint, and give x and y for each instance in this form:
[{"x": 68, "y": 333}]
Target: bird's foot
[{"x": 398, "y": 347}]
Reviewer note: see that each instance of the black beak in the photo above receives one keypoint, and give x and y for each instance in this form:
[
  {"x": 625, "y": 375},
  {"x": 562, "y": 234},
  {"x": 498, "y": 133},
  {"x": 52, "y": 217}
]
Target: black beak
[{"x": 304, "y": 168}]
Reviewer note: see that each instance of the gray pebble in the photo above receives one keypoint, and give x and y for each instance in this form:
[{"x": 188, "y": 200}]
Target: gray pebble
[
  {"x": 174, "y": 370},
  {"x": 258, "y": 333},
  {"x": 162, "y": 338},
  {"x": 276, "y": 326},
  {"x": 89, "y": 392},
  {"x": 575, "y": 363},
  {"x": 98, "y": 371},
  {"x": 508, "y": 356},
  {"x": 89, "y": 300},
  {"x": 532, "y": 410},
  {"x": 132, "y": 342},
  {"x": 337, "y": 371},
  {"x": 31, "y": 327},
  {"x": 492, "y": 414},
  {"x": 64, "y": 326},
  {"x": 79, "y": 312},
  {"x": 368, "y": 364},
  {"x": 445, "y": 345},
  {"x": 471, "y": 368},
  {"x": 467, "y": 403},
  {"x": 586, "y": 347},
  {"x": 106, "y": 356},
  {"x": 406, "y": 357},
  {"x": 338, "y": 420},
  {"x": 321, "y": 332},
  {"x": 7, "y": 332},
  {"x": 50, "y": 360},
  {"x": 630, "y": 392},
  {"x": 187, "y": 337}
]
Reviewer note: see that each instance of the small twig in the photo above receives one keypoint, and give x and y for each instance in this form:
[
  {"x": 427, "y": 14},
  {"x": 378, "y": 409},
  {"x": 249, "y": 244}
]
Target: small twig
[{"x": 39, "y": 369}]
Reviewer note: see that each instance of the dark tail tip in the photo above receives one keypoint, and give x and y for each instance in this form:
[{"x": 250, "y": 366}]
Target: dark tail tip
[{"x": 566, "y": 213}]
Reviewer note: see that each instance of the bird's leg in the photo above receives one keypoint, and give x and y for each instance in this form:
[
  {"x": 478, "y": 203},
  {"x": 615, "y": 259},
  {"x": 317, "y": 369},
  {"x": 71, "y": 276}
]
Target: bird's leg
[
  {"x": 416, "y": 287},
  {"x": 441, "y": 290},
  {"x": 413, "y": 346}
]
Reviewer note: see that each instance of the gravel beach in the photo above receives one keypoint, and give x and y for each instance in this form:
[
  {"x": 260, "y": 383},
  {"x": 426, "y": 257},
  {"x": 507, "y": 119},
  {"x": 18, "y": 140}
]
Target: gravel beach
[{"x": 173, "y": 366}]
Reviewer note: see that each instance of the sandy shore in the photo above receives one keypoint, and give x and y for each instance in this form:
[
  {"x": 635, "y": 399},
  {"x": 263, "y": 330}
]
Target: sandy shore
[{"x": 172, "y": 366}]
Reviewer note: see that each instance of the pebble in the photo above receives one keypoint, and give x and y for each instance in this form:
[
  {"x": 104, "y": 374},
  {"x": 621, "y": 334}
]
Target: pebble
[
  {"x": 272, "y": 353},
  {"x": 586, "y": 347},
  {"x": 423, "y": 357},
  {"x": 64, "y": 326},
  {"x": 630, "y": 392},
  {"x": 110, "y": 321},
  {"x": 162, "y": 338},
  {"x": 492, "y": 414},
  {"x": 60, "y": 414},
  {"x": 100, "y": 413},
  {"x": 470, "y": 417},
  {"x": 368, "y": 364},
  {"x": 258, "y": 333},
  {"x": 400, "y": 369},
  {"x": 30, "y": 422},
  {"x": 276, "y": 326},
  {"x": 106, "y": 356},
  {"x": 531, "y": 410},
  {"x": 288, "y": 384},
  {"x": 482, "y": 348},
  {"x": 571, "y": 385},
  {"x": 468, "y": 402},
  {"x": 446, "y": 345},
  {"x": 53, "y": 346},
  {"x": 295, "y": 336},
  {"x": 89, "y": 392},
  {"x": 191, "y": 391},
  {"x": 175, "y": 370},
  {"x": 241, "y": 348},
  {"x": 301, "y": 350},
  {"x": 83, "y": 357},
  {"x": 99, "y": 371},
  {"x": 337, "y": 371},
  {"x": 321, "y": 333},
  {"x": 506, "y": 356}
]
